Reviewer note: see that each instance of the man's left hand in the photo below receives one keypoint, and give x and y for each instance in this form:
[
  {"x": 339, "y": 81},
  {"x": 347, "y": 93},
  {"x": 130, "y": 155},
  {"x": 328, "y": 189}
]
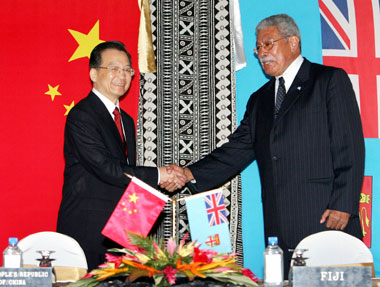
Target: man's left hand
[{"x": 335, "y": 219}]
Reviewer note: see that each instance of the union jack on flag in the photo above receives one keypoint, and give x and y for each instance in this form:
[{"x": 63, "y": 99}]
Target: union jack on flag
[
  {"x": 351, "y": 40},
  {"x": 216, "y": 210},
  {"x": 206, "y": 207}
]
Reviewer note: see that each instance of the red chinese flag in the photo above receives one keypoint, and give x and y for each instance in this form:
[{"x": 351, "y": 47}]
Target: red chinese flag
[{"x": 136, "y": 212}]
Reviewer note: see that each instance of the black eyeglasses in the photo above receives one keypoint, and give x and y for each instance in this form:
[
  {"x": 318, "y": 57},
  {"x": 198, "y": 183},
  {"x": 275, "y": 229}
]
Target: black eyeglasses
[
  {"x": 117, "y": 70},
  {"x": 267, "y": 45}
]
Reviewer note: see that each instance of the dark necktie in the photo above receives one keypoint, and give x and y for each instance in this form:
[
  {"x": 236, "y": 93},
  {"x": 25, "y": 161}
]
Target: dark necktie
[
  {"x": 116, "y": 113},
  {"x": 280, "y": 95}
]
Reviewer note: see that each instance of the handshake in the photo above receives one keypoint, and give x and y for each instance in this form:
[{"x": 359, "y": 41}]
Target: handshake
[{"x": 173, "y": 177}]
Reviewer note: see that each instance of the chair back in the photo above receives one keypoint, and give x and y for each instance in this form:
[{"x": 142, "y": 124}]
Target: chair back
[
  {"x": 335, "y": 248},
  {"x": 67, "y": 251}
]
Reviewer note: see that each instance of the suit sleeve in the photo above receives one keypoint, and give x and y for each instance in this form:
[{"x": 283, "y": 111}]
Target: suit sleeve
[
  {"x": 88, "y": 145},
  {"x": 229, "y": 159},
  {"x": 347, "y": 143}
]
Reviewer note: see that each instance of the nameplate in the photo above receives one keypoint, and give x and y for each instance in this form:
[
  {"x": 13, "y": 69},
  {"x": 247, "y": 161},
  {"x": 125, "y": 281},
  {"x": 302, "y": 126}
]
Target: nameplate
[
  {"x": 29, "y": 277},
  {"x": 346, "y": 276}
]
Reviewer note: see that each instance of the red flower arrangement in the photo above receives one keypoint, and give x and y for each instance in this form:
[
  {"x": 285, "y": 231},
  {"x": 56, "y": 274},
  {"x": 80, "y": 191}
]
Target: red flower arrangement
[{"x": 166, "y": 263}]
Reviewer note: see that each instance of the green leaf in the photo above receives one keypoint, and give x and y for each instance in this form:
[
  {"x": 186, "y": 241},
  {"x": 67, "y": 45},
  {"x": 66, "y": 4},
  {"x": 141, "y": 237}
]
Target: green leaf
[
  {"x": 138, "y": 240},
  {"x": 120, "y": 250},
  {"x": 137, "y": 273},
  {"x": 160, "y": 281},
  {"x": 189, "y": 274}
]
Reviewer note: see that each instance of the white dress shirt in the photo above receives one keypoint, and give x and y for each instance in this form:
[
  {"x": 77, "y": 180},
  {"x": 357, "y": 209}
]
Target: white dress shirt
[{"x": 289, "y": 74}]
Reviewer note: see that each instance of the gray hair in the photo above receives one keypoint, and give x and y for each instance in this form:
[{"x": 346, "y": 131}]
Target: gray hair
[{"x": 285, "y": 24}]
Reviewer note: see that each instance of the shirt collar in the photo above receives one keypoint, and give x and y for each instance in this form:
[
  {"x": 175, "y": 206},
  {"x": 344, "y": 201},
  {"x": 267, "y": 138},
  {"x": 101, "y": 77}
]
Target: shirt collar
[
  {"x": 291, "y": 72},
  {"x": 107, "y": 102}
]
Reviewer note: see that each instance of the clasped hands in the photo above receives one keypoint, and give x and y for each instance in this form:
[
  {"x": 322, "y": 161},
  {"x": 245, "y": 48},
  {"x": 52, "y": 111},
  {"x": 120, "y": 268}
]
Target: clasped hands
[{"x": 173, "y": 177}]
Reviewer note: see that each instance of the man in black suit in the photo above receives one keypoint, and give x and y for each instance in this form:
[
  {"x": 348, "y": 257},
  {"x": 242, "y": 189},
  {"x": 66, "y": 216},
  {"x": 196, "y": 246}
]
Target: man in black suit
[
  {"x": 100, "y": 151},
  {"x": 303, "y": 127}
]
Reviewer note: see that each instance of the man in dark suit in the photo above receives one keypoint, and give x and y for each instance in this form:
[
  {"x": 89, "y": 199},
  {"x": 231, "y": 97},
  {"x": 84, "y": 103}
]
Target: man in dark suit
[
  {"x": 99, "y": 151},
  {"x": 303, "y": 127}
]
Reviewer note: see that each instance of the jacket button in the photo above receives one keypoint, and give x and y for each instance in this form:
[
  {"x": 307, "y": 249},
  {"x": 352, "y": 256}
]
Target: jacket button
[{"x": 274, "y": 158}]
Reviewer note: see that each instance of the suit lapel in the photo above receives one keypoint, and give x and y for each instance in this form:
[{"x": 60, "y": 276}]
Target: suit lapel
[
  {"x": 106, "y": 119},
  {"x": 296, "y": 89},
  {"x": 267, "y": 99},
  {"x": 129, "y": 132}
]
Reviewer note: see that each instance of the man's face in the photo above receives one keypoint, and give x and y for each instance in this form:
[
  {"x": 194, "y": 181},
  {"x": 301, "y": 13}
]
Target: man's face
[
  {"x": 277, "y": 59},
  {"x": 112, "y": 84}
]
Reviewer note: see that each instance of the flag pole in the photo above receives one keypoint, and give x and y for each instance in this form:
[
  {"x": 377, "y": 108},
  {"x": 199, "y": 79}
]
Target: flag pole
[{"x": 174, "y": 205}]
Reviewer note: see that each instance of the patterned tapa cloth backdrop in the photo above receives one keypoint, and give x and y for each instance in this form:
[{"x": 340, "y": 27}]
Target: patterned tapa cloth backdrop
[{"x": 187, "y": 108}]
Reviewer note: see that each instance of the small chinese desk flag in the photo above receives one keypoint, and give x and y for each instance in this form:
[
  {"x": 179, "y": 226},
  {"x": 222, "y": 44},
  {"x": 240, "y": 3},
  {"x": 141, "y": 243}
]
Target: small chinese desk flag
[
  {"x": 136, "y": 212},
  {"x": 208, "y": 220}
]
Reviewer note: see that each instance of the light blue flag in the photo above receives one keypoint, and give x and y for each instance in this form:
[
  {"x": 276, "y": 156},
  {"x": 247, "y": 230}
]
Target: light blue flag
[{"x": 208, "y": 220}]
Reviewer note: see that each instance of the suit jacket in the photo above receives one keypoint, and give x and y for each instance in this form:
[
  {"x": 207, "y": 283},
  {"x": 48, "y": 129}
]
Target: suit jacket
[
  {"x": 94, "y": 179},
  {"x": 310, "y": 158}
]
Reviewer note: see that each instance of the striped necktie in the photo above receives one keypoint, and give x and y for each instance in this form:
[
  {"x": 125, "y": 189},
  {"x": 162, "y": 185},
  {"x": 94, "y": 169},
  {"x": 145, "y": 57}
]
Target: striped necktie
[{"x": 279, "y": 96}]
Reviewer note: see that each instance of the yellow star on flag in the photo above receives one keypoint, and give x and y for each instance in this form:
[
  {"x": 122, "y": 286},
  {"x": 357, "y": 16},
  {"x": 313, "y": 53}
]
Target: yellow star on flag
[
  {"x": 68, "y": 108},
  {"x": 87, "y": 42},
  {"x": 53, "y": 92},
  {"x": 133, "y": 198}
]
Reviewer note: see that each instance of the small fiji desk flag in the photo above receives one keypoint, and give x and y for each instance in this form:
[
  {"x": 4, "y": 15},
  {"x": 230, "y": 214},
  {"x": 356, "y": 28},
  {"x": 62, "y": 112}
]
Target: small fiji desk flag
[
  {"x": 136, "y": 212},
  {"x": 208, "y": 221}
]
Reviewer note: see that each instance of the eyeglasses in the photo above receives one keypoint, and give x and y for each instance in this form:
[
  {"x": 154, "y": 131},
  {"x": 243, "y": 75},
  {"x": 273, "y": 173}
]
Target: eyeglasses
[
  {"x": 267, "y": 45},
  {"x": 117, "y": 70}
]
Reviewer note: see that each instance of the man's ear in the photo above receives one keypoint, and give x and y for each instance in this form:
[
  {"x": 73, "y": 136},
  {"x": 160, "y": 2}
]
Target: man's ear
[
  {"x": 294, "y": 43},
  {"x": 93, "y": 74}
]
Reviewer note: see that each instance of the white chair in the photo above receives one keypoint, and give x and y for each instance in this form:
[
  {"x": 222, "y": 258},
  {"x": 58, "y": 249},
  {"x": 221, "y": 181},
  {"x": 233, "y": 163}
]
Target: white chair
[
  {"x": 335, "y": 248},
  {"x": 67, "y": 251}
]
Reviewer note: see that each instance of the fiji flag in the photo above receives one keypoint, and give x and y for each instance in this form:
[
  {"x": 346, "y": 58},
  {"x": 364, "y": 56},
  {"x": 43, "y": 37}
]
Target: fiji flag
[
  {"x": 208, "y": 220},
  {"x": 351, "y": 40}
]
